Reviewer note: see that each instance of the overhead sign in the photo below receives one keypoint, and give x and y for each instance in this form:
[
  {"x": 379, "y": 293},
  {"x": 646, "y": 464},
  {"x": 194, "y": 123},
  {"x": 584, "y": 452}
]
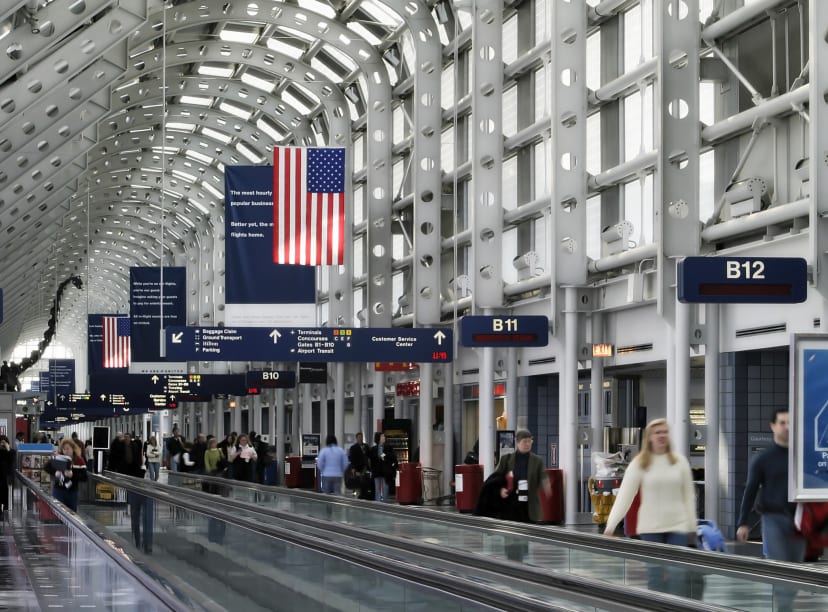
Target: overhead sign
[
  {"x": 271, "y": 379},
  {"x": 155, "y": 292},
  {"x": 258, "y": 291},
  {"x": 328, "y": 344},
  {"x": 167, "y": 390},
  {"x": 743, "y": 280},
  {"x": 61, "y": 376},
  {"x": 527, "y": 330},
  {"x": 602, "y": 350}
]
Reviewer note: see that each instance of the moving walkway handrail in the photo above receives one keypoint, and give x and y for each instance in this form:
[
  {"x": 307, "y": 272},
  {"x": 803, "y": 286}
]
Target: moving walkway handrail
[
  {"x": 164, "y": 599},
  {"x": 574, "y": 587},
  {"x": 702, "y": 561}
]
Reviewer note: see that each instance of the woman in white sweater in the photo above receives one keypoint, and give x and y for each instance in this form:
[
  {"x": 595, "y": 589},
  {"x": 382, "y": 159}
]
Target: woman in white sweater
[{"x": 667, "y": 513}]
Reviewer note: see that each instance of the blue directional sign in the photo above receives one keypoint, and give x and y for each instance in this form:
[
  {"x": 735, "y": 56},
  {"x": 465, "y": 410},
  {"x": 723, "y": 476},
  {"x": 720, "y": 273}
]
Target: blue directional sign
[
  {"x": 527, "y": 330},
  {"x": 743, "y": 280},
  {"x": 271, "y": 379},
  {"x": 328, "y": 344}
]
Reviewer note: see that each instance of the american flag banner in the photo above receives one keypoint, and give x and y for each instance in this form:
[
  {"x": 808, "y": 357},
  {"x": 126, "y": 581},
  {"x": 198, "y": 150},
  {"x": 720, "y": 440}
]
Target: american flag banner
[
  {"x": 116, "y": 344},
  {"x": 308, "y": 206}
]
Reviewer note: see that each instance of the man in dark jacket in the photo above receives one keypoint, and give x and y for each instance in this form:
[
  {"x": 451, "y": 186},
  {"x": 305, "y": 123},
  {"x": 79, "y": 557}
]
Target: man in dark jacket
[
  {"x": 197, "y": 454},
  {"x": 175, "y": 446},
  {"x": 133, "y": 465},
  {"x": 358, "y": 454}
]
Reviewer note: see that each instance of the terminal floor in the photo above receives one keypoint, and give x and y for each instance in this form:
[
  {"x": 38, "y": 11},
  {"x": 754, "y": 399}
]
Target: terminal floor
[{"x": 34, "y": 575}]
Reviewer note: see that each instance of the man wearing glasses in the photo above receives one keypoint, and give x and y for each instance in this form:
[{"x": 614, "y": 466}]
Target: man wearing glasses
[{"x": 525, "y": 478}]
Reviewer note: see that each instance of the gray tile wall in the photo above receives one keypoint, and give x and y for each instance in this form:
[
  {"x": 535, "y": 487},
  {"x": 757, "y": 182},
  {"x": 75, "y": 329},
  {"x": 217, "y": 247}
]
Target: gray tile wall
[{"x": 752, "y": 384}]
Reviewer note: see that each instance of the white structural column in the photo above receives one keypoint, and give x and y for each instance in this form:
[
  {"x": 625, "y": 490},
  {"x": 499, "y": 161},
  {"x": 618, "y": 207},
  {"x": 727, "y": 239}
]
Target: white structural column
[
  {"x": 568, "y": 394},
  {"x": 711, "y": 413},
  {"x": 676, "y": 188},
  {"x": 596, "y": 404},
  {"x": 426, "y": 415},
  {"x": 280, "y": 427},
  {"x": 339, "y": 402},
  {"x": 449, "y": 408},
  {"x": 356, "y": 376},
  {"x": 511, "y": 388},
  {"x": 426, "y": 181},
  {"x": 568, "y": 143},
  {"x": 307, "y": 415},
  {"x": 818, "y": 168},
  {"x": 378, "y": 400},
  {"x": 486, "y": 206},
  {"x": 681, "y": 411}
]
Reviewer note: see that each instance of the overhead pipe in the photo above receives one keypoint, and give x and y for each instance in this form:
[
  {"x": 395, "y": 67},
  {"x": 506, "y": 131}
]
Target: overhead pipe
[
  {"x": 645, "y": 71},
  {"x": 645, "y": 162},
  {"x": 739, "y": 18},
  {"x": 625, "y": 258},
  {"x": 757, "y": 220},
  {"x": 743, "y": 121}
]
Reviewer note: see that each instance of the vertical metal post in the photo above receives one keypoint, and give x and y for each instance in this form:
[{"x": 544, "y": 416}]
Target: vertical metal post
[
  {"x": 279, "y": 427},
  {"x": 511, "y": 388},
  {"x": 486, "y": 419},
  {"x": 681, "y": 400},
  {"x": 568, "y": 393},
  {"x": 596, "y": 378},
  {"x": 426, "y": 416},
  {"x": 711, "y": 413},
  {"x": 678, "y": 232},
  {"x": 339, "y": 403},
  {"x": 487, "y": 156},
  {"x": 378, "y": 401},
  {"x": 818, "y": 111},
  {"x": 449, "y": 408}
]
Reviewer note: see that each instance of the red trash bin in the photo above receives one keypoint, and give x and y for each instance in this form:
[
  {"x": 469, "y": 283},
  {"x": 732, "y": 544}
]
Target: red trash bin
[
  {"x": 553, "y": 505},
  {"x": 468, "y": 480},
  {"x": 293, "y": 472},
  {"x": 409, "y": 483}
]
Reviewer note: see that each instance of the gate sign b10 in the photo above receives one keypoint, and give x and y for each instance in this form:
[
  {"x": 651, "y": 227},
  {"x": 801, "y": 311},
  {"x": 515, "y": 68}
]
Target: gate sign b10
[
  {"x": 743, "y": 280},
  {"x": 527, "y": 330}
]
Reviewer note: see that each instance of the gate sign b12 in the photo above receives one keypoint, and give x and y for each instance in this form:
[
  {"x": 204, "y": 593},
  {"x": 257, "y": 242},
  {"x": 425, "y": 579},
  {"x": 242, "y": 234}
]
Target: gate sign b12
[
  {"x": 527, "y": 330},
  {"x": 743, "y": 280}
]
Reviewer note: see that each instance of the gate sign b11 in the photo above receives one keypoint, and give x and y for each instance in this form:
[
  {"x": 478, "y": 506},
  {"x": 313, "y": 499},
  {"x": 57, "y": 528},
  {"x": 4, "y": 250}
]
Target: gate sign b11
[
  {"x": 743, "y": 280},
  {"x": 526, "y": 330}
]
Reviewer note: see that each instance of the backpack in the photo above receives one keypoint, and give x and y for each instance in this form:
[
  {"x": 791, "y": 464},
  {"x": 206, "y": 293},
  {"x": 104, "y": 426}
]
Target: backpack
[{"x": 709, "y": 537}]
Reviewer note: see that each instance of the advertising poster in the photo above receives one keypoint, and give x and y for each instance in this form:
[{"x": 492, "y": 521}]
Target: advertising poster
[
  {"x": 809, "y": 419},
  {"x": 260, "y": 293},
  {"x": 145, "y": 312}
]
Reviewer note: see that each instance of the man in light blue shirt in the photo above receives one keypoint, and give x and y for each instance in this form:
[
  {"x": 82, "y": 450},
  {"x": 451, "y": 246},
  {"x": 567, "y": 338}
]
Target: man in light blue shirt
[{"x": 331, "y": 464}]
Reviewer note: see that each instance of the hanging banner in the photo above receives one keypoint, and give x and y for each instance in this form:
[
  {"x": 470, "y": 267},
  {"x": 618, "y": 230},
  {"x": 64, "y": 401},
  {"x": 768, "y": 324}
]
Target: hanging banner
[
  {"x": 808, "y": 465},
  {"x": 62, "y": 375},
  {"x": 145, "y": 312},
  {"x": 260, "y": 293}
]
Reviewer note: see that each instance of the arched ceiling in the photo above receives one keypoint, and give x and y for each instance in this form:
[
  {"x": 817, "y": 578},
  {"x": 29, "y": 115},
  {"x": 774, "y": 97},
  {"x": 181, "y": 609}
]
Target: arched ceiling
[{"x": 117, "y": 118}]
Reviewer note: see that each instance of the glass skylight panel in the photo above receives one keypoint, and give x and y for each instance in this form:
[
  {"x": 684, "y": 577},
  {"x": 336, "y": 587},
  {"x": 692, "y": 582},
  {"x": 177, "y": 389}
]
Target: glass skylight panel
[
  {"x": 364, "y": 32},
  {"x": 270, "y": 128},
  {"x": 249, "y": 153},
  {"x": 211, "y": 133},
  {"x": 196, "y": 100},
  {"x": 259, "y": 82},
  {"x": 212, "y": 191},
  {"x": 241, "y": 34},
  {"x": 321, "y": 8},
  {"x": 218, "y": 70},
  {"x": 296, "y": 34},
  {"x": 204, "y": 159},
  {"x": 236, "y": 111},
  {"x": 381, "y": 13},
  {"x": 281, "y": 46},
  {"x": 341, "y": 57},
  {"x": 295, "y": 102},
  {"x": 325, "y": 70}
]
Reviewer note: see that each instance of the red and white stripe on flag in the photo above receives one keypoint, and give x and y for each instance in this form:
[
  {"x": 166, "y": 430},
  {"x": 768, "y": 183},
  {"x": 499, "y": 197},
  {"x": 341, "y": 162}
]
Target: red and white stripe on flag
[
  {"x": 116, "y": 342},
  {"x": 308, "y": 205}
]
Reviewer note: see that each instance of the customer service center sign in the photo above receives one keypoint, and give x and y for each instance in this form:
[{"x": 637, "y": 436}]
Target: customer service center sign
[{"x": 808, "y": 475}]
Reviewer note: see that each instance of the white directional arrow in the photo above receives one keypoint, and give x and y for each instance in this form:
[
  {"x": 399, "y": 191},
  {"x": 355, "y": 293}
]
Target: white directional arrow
[
  {"x": 439, "y": 336},
  {"x": 154, "y": 379},
  {"x": 176, "y": 337},
  {"x": 275, "y": 335},
  {"x": 103, "y": 396}
]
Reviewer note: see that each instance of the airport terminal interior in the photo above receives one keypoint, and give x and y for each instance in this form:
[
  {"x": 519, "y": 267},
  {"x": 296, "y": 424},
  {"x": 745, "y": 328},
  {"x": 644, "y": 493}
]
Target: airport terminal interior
[{"x": 447, "y": 221}]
